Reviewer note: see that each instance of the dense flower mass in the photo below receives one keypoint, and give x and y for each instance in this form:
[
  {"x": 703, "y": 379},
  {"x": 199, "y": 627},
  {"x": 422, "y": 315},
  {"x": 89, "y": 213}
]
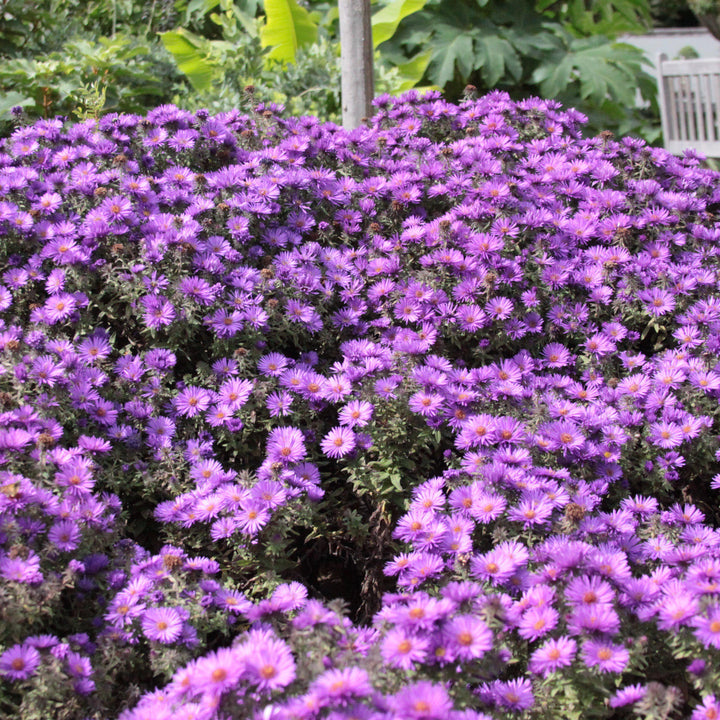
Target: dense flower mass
[{"x": 418, "y": 420}]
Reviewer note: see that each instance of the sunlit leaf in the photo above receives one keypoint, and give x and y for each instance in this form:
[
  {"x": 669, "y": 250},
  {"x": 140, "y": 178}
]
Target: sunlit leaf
[
  {"x": 287, "y": 28},
  {"x": 385, "y": 22}
]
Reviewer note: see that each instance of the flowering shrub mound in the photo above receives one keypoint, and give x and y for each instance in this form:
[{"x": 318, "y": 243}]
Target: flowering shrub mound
[{"x": 413, "y": 421}]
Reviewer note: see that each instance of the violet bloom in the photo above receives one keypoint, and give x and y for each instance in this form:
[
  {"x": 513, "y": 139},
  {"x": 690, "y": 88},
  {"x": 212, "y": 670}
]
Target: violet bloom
[
  {"x": 192, "y": 401},
  {"x": 605, "y": 656},
  {"x": 422, "y": 701},
  {"x": 402, "y": 649},
  {"x": 338, "y": 442},
  {"x": 707, "y": 627},
  {"x": 337, "y": 686},
  {"x": 514, "y": 694},
  {"x": 553, "y": 655},
  {"x": 270, "y": 664},
  {"x": 469, "y": 636},
  {"x": 286, "y": 445},
  {"x": 19, "y": 662},
  {"x": 162, "y": 624}
]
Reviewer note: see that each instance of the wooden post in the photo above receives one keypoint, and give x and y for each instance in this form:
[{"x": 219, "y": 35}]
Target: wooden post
[{"x": 356, "y": 59}]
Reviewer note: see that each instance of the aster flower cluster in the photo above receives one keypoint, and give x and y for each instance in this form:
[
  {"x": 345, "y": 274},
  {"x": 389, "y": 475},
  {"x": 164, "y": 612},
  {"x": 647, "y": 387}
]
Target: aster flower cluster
[{"x": 462, "y": 356}]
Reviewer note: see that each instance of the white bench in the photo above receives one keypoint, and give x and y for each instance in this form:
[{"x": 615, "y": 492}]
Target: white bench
[{"x": 689, "y": 99}]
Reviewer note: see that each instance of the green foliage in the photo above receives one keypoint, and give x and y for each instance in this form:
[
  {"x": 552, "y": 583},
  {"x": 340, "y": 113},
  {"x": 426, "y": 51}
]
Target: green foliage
[
  {"x": 121, "y": 67},
  {"x": 385, "y": 22},
  {"x": 566, "y": 51},
  {"x": 203, "y": 53},
  {"x": 288, "y": 27}
]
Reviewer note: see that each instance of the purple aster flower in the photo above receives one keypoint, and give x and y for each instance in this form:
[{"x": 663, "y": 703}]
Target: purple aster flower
[
  {"x": 469, "y": 637},
  {"x": 356, "y": 413},
  {"x": 159, "y": 311},
  {"x": 252, "y": 516},
  {"x": 553, "y": 655},
  {"x": 422, "y": 701},
  {"x": 286, "y": 445},
  {"x": 707, "y": 626},
  {"x": 605, "y": 656},
  {"x": 628, "y": 695},
  {"x": 708, "y": 710},
  {"x": 513, "y": 694},
  {"x": 403, "y": 649},
  {"x": 19, "y": 662},
  {"x": 212, "y": 674},
  {"x": 338, "y": 442},
  {"x": 270, "y": 664},
  {"x": 337, "y": 686},
  {"x": 65, "y": 535},
  {"x": 22, "y": 570},
  {"x": 272, "y": 364},
  {"x": 162, "y": 624},
  {"x": 537, "y": 621},
  {"x": 192, "y": 400}
]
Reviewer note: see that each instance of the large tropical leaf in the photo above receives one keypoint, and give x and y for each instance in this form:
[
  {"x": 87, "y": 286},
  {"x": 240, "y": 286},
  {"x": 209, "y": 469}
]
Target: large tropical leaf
[
  {"x": 187, "y": 49},
  {"x": 603, "y": 69},
  {"x": 496, "y": 56},
  {"x": 412, "y": 71},
  {"x": 287, "y": 28},
  {"x": 385, "y": 22},
  {"x": 13, "y": 99}
]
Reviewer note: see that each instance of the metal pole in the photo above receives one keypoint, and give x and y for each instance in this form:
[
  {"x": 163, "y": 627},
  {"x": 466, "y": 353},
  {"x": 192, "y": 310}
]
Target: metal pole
[{"x": 356, "y": 60}]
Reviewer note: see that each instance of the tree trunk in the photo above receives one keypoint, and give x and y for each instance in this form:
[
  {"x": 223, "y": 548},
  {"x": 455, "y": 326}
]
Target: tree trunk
[{"x": 356, "y": 58}]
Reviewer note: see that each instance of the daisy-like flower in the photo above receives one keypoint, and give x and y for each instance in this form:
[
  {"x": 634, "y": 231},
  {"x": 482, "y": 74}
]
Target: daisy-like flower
[
  {"x": 402, "y": 649},
  {"x": 356, "y": 413},
  {"x": 514, "y": 694},
  {"x": 338, "y": 442},
  {"x": 286, "y": 445},
  {"x": 628, "y": 695},
  {"x": 192, "y": 400},
  {"x": 666, "y": 434},
  {"x": 708, "y": 710},
  {"x": 488, "y": 507},
  {"x": 270, "y": 664},
  {"x": 162, "y": 624},
  {"x": 657, "y": 301},
  {"x": 537, "y": 621},
  {"x": 425, "y": 403},
  {"x": 553, "y": 655},
  {"x": 19, "y": 662},
  {"x": 707, "y": 627},
  {"x": 337, "y": 686},
  {"x": 469, "y": 636},
  {"x": 605, "y": 656},
  {"x": 215, "y": 673},
  {"x": 422, "y": 701},
  {"x": 252, "y": 516}
]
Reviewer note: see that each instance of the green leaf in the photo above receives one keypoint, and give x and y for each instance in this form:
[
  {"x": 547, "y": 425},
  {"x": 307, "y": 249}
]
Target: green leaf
[
  {"x": 496, "y": 55},
  {"x": 450, "y": 50},
  {"x": 185, "y": 47},
  {"x": 13, "y": 99},
  {"x": 412, "y": 71},
  {"x": 385, "y": 22},
  {"x": 288, "y": 27}
]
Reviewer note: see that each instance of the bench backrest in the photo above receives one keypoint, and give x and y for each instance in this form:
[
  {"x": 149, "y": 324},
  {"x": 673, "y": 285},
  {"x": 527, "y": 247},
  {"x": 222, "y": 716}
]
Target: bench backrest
[{"x": 689, "y": 98}]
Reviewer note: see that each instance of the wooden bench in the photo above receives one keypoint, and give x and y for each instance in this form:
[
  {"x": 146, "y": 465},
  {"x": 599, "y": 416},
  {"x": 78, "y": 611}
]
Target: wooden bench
[{"x": 689, "y": 99}]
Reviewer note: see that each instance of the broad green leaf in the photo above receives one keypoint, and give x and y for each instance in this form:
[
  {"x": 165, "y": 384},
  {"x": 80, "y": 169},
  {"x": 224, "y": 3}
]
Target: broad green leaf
[
  {"x": 496, "y": 55},
  {"x": 450, "y": 50},
  {"x": 287, "y": 28},
  {"x": 385, "y": 22},
  {"x": 201, "y": 7},
  {"x": 412, "y": 71},
  {"x": 185, "y": 47},
  {"x": 13, "y": 99}
]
